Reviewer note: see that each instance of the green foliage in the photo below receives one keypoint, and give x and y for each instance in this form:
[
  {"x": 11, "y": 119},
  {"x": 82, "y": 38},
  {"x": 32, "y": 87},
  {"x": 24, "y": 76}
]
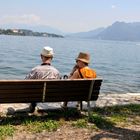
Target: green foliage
[
  {"x": 124, "y": 110},
  {"x": 102, "y": 118},
  {"x": 51, "y": 125},
  {"x": 118, "y": 118},
  {"x": 107, "y": 117},
  {"x": 101, "y": 122},
  {"x": 81, "y": 123},
  {"x": 38, "y": 126},
  {"x": 6, "y": 130}
]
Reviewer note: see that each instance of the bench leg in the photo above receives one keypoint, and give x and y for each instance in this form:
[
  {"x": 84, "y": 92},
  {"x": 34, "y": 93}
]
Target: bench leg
[
  {"x": 81, "y": 105},
  {"x": 64, "y": 105},
  {"x": 32, "y": 107},
  {"x": 89, "y": 108},
  {"x": 94, "y": 103}
]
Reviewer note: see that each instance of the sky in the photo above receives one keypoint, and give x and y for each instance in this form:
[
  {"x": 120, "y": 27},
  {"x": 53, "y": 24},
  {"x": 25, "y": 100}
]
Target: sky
[{"x": 69, "y": 15}]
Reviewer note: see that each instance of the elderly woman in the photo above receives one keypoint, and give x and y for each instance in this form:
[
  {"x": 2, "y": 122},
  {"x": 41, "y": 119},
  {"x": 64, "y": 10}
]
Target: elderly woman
[{"x": 81, "y": 70}]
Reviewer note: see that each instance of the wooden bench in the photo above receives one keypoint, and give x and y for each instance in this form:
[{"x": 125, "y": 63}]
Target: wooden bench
[{"x": 27, "y": 91}]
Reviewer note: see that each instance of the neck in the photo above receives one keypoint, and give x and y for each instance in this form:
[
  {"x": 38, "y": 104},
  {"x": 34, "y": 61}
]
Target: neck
[{"x": 46, "y": 60}]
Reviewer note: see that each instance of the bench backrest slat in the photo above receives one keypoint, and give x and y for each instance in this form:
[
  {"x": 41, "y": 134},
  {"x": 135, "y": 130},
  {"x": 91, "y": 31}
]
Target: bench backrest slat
[{"x": 26, "y": 91}]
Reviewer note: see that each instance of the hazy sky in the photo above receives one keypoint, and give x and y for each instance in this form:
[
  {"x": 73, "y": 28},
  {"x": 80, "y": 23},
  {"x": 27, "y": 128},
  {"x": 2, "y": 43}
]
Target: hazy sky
[{"x": 69, "y": 15}]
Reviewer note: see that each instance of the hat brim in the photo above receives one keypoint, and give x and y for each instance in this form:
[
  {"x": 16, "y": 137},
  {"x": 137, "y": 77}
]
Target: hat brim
[
  {"x": 83, "y": 60},
  {"x": 48, "y": 55}
]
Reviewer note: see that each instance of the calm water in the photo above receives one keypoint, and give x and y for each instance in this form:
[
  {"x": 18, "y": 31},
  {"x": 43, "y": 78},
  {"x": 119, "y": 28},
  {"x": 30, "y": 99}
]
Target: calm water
[{"x": 118, "y": 63}]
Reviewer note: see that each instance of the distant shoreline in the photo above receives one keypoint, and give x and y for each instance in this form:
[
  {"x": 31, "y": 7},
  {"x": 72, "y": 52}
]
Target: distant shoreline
[{"x": 24, "y": 32}]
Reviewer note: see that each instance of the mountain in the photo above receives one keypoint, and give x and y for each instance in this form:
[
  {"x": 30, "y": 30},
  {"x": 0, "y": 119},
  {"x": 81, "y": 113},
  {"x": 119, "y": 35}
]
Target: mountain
[
  {"x": 89, "y": 34},
  {"x": 117, "y": 31},
  {"x": 37, "y": 28},
  {"x": 121, "y": 31}
]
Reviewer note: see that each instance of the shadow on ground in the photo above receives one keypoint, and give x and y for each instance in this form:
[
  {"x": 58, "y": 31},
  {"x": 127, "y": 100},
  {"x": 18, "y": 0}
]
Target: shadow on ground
[
  {"x": 20, "y": 116},
  {"x": 117, "y": 133},
  {"x": 109, "y": 129}
]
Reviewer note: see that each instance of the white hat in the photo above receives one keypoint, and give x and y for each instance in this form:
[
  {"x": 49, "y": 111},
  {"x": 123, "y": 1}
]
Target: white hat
[{"x": 47, "y": 51}]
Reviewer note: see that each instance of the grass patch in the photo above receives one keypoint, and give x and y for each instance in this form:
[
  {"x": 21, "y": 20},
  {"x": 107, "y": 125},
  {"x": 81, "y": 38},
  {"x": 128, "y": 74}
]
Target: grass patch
[
  {"x": 101, "y": 118},
  {"x": 81, "y": 123},
  {"x": 37, "y": 126},
  {"x": 101, "y": 122},
  {"x": 124, "y": 110},
  {"x": 120, "y": 114},
  {"x": 7, "y": 130},
  {"x": 118, "y": 119}
]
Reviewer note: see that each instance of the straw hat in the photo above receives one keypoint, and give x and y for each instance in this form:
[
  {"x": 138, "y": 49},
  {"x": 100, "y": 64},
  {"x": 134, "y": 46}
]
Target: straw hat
[
  {"x": 84, "y": 57},
  {"x": 47, "y": 51}
]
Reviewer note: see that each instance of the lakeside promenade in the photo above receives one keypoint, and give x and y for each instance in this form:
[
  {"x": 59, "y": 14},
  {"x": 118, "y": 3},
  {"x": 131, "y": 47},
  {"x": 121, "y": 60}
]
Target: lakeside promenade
[{"x": 103, "y": 100}]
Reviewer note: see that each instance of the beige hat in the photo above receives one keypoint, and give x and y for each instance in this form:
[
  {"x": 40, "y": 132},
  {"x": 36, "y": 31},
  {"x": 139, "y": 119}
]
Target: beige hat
[
  {"x": 47, "y": 51},
  {"x": 84, "y": 57}
]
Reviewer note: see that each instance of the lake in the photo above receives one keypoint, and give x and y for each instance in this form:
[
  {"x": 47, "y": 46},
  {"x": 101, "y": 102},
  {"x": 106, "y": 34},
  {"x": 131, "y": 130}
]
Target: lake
[{"x": 117, "y": 62}]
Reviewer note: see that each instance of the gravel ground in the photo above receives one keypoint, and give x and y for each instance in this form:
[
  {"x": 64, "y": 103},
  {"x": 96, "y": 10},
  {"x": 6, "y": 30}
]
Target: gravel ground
[{"x": 67, "y": 132}]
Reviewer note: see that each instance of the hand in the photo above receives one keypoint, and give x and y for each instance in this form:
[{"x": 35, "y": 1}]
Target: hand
[{"x": 74, "y": 69}]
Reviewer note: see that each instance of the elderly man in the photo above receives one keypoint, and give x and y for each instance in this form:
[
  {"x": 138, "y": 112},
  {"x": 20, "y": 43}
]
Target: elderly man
[{"x": 45, "y": 70}]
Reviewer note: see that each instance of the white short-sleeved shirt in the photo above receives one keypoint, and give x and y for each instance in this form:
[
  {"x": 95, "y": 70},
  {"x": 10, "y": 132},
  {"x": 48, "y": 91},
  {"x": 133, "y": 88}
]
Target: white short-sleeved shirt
[{"x": 43, "y": 72}]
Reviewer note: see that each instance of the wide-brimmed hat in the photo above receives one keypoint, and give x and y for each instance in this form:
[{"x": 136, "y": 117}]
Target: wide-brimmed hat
[
  {"x": 84, "y": 57},
  {"x": 47, "y": 51}
]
